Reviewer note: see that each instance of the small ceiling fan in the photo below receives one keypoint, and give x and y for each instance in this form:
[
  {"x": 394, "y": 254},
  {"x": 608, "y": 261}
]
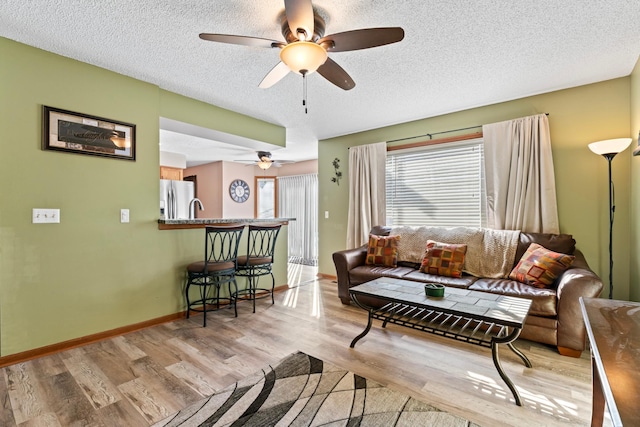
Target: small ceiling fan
[
  {"x": 306, "y": 48},
  {"x": 265, "y": 161}
]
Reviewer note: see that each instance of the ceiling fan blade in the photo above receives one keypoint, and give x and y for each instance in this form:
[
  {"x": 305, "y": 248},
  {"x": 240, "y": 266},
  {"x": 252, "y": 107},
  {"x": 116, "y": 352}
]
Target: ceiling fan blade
[
  {"x": 361, "y": 39},
  {"x": 299, "y": 15},
  {"x": 241, "y": 40},
  {"x": 276, "y": 74},
  {"x": 336, "y": 75}
]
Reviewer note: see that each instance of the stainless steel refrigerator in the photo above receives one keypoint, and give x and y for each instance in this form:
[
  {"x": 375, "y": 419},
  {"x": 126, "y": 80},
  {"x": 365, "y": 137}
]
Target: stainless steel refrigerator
[{"x": 175, "y": 197}]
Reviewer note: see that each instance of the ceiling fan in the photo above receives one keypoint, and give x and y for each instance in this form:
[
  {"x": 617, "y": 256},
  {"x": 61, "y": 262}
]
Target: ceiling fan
[
  {"x": 306, "y": 48},
  {"x": 265, "y": 161}
]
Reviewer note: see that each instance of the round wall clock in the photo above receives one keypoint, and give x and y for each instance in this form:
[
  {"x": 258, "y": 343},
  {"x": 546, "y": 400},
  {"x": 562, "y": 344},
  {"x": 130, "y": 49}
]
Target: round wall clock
[{"x": 239, "y": 191}]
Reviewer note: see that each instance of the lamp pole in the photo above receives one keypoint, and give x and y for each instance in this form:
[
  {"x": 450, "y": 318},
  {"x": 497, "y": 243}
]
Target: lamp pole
[
  {"x": 608, "y": 149},
  {"x": 612, "y": 210}
]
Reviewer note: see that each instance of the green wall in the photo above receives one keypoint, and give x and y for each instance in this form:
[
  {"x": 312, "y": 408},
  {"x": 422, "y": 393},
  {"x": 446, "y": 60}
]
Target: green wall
[
  {"x": 90, "y": 273},
  {"x": 634, "y": 293},
  {"x": 577, "y": 117}
]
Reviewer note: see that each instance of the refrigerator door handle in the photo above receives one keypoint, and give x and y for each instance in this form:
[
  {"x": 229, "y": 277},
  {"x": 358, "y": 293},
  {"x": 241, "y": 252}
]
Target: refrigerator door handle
[
  {"x": 174, "y": 202},
  {"x": 174, "y": 199},
  {"x": 167, "y": 195},
  {"x": 170, "y": 202}
]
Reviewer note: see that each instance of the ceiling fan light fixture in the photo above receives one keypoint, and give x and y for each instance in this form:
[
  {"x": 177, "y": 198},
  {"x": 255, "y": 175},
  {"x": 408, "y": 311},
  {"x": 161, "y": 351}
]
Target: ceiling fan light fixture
[
  {"x": 303, "y": 55},
  {"x": 264, "y": 164}
]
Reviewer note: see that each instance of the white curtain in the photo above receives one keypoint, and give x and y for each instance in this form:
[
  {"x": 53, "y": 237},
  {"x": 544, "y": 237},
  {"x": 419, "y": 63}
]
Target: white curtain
[
  {"x": 367, "y": 194},
  {"x": 520, "y": 181},
  {"x": 298, "y": 198}
]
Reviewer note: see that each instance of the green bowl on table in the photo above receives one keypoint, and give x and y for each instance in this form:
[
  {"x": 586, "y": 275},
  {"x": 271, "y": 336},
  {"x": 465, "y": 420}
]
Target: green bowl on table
[{"x": 434, "y": 290}]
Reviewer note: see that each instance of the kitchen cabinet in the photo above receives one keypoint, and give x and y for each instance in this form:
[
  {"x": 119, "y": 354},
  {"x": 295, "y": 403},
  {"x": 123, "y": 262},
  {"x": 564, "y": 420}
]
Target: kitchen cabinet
[{"x": 170, "y": 173}]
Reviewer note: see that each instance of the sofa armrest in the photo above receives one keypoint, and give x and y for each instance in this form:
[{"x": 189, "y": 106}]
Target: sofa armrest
[
  {"x": 344, "y": 262},
  {"x": 577, "y": 281}
]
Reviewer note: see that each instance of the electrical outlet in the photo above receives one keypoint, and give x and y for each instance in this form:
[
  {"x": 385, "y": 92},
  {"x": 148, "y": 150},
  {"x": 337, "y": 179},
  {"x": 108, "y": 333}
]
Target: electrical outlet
[
  {"x": 124, "y": 215},
  {"x": 45, "y": 216},
  {"x": 326, "y": 214}
]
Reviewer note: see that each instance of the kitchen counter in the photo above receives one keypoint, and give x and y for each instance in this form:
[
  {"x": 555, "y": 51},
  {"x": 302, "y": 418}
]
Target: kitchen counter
[{"x": 176, "y": 224}]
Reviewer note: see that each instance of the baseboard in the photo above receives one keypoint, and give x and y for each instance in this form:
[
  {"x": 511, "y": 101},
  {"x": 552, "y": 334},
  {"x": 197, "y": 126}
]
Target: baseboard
[
  {"x": 327, "y": 276},
  {"x": 77, "y": 342},
  {"x": 24, "y": 356}
]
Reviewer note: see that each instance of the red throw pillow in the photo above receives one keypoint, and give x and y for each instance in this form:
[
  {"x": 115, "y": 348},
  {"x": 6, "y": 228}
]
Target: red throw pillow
[
  {"x": 540, "y": 267},
  {"x": 382, "y": 251},
  {"x": 443, "y": 259}
]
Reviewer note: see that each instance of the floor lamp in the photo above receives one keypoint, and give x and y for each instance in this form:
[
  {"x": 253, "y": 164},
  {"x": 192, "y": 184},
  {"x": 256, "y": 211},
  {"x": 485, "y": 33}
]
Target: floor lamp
[{"x": 608, "y": 149}]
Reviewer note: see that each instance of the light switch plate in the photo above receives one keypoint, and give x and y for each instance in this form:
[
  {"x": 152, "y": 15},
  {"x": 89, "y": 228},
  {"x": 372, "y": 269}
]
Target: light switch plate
[
  {"x": 124, "y": 215},
  {"x": 45, "y": 216}
]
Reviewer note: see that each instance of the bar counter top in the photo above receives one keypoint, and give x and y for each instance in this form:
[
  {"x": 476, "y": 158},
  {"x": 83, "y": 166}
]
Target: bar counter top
[{"x": 176, "y": 224}]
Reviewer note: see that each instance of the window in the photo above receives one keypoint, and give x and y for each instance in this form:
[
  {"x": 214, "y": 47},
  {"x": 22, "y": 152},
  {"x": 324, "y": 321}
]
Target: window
[
  {"x": 437, "y": 185},
  {"x": 266, "y": 198}
]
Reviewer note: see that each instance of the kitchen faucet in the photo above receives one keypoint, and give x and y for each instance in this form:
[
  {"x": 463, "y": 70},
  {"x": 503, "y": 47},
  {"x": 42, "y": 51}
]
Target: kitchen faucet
[{"x": 191, "y": 210}]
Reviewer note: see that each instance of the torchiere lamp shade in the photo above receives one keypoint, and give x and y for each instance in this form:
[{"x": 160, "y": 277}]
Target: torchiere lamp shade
[{"x": 610, "y": 146}]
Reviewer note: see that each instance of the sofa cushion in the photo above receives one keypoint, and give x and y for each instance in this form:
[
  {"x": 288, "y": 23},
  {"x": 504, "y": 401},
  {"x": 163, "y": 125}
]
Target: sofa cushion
[
  {"x": 563, "y": 243},
  {"x": 365, "y": 273},
  {"x": 382, "y": 251},
  {"x": 455, "y": 282},
  {"x": 540, "y": 267},
  {"x": 443, "y": 259},
  {"x": 544, "y": 301}
]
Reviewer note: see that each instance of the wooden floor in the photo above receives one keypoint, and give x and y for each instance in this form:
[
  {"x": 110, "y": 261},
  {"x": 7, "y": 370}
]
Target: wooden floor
[{"x": 145, "y": 376}]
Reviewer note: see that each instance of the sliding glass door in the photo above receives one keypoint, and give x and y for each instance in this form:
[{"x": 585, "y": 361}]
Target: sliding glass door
[{"x": 298, "y": 198}]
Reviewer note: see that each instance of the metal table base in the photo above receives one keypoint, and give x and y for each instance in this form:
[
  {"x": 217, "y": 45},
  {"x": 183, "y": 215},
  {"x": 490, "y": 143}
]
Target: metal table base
[{"x": 462, "y": 328}]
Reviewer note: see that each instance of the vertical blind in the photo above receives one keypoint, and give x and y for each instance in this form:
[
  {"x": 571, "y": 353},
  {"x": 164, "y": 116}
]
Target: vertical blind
[
  {"x": 298, "y": 198},
  {"x": 437, "y": 185}
]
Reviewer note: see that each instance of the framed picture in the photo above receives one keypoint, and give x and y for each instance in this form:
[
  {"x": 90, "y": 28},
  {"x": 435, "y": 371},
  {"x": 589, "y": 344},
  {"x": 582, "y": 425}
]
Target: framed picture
[{"x": 64, "y": 130}]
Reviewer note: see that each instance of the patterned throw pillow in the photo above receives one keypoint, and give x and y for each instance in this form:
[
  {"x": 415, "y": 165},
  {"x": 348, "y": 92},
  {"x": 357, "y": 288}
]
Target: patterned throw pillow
[
  {"x": 382, "y": 251},
  {"x": 443, "y": 259},
  {"x": 540, "y": 267}
]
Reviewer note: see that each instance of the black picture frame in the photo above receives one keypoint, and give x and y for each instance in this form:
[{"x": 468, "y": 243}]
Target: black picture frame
[{"x": 73, "y": 132}]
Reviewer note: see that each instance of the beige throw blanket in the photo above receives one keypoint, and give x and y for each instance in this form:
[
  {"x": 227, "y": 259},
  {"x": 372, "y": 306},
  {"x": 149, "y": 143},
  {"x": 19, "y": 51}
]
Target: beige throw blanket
[{"x": 490, "y": 253}]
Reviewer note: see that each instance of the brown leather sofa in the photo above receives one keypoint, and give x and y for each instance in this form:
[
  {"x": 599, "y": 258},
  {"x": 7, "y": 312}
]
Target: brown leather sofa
[{"x": 555, "y": 317}]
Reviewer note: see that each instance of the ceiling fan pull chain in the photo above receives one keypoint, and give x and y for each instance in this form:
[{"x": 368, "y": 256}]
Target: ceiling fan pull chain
[{"x": 304, "y": 90}]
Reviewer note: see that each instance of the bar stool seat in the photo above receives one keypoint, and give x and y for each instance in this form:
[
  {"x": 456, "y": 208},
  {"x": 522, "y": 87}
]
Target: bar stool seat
[
  {"x": 199, "y": 266},
  {"x": 217, "y": 268},
  {"x": 258, "y": 260}
]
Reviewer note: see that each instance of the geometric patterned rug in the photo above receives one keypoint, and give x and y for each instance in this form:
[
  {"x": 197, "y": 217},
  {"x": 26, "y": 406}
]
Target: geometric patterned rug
[{"x": 302, "y": 390}]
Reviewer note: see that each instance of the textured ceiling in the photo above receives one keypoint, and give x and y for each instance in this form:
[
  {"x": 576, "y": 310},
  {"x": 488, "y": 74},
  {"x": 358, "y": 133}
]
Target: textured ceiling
[{"x": 456, "y": 54}]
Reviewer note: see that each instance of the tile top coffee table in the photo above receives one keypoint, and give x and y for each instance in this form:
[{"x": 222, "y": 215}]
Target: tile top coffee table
[{"x": 475, "y": 317}]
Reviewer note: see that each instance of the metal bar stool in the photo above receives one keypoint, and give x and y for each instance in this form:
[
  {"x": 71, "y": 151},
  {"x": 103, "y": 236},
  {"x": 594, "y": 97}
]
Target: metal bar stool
[
  {"x": 217, "y": 268},
  {"x": 258, "y": 260}
]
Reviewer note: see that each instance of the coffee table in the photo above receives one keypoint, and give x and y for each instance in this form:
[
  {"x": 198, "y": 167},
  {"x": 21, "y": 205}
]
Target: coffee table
[{"x": 478, "y": 318}]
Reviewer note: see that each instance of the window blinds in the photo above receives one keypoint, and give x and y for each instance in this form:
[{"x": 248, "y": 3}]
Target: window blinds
[{"x": 438, "y": 185}]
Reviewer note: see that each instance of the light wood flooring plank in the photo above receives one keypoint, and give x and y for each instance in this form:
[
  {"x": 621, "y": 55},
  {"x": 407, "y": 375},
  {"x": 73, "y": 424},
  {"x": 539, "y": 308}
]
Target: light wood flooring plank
[
  {"x": 167, "y": 367},
  {"x": 47, "y": 419},
  {"x": 166, "y": 386},
  {"x": 147, "y": 401},
  {"x": 6, "y": 412},
  {"x": 194, "y": 377},
  {"x": 65, "y": 399},
  {"x": 108, "y": 357},
  {"x": 121, "y": 413},
  {"x": 129, "y": 349},
  {"x": 95, "y": 385},
  {"x": 25, "y": 393}
]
